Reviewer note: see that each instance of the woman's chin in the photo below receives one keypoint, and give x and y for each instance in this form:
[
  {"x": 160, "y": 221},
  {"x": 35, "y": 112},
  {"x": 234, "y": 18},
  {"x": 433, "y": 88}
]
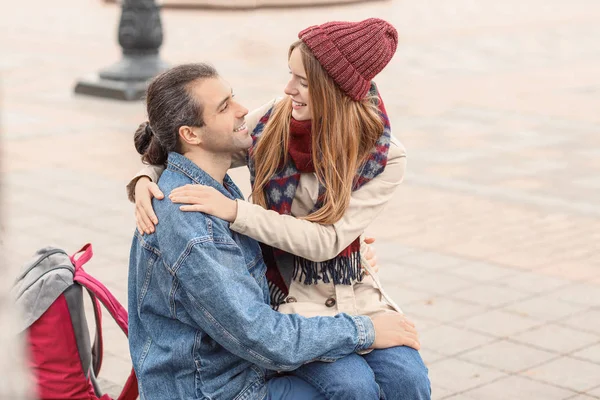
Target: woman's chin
[{"x": 300, "y": 115}]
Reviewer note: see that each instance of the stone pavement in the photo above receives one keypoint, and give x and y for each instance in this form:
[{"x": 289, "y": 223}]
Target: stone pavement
[{"x": 491, "y": 242}]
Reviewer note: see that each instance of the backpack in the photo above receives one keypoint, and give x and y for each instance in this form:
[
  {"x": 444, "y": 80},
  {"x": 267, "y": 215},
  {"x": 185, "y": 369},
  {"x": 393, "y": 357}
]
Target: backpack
[{"x": 49, "y": 293}]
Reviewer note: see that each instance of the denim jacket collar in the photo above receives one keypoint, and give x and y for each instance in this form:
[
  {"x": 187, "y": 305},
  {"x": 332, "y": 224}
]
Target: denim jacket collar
[{"x": 179, "y": 163}]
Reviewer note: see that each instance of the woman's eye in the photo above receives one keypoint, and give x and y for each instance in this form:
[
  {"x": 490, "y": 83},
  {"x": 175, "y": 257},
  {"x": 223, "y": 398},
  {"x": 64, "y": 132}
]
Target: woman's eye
[{"x": 303, "y": 85}]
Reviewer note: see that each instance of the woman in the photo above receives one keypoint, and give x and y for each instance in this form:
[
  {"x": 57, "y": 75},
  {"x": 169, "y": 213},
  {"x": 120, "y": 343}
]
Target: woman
[{"x": 313, "y": 200}]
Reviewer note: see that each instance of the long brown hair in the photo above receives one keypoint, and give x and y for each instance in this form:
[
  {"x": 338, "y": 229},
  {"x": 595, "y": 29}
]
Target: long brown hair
[{"x": 343, "y": 133}]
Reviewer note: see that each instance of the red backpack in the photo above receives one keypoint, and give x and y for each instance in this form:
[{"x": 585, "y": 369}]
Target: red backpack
[{"x": 49, "y": 292}]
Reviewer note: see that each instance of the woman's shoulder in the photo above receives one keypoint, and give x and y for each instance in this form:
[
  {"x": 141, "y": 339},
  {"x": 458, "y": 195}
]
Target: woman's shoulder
[
  {"x": 255, "y": 115},
  {"x": 395, "y": 168},
  {"x": 396, "y": 150}
]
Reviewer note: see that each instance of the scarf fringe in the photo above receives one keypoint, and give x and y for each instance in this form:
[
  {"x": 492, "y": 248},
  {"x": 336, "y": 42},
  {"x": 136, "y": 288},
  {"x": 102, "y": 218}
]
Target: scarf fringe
[
  {"x": 340, "y": 270},
  {"x": 277, "y": 295}
]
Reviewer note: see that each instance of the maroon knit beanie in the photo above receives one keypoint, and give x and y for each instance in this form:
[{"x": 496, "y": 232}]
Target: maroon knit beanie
[{"x": 352, "y": 53}]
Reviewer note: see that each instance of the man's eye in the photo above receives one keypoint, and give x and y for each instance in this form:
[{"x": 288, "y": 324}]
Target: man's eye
[{"x": 225, "y": 108}]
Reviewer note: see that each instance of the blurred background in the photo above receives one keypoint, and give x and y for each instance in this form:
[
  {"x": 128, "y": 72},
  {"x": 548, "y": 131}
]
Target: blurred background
[{"x": 491, "y": 242}]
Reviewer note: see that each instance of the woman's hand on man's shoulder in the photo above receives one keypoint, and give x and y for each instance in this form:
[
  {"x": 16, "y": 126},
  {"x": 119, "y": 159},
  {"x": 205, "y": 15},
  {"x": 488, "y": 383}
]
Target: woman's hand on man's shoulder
[{"x": 145, "y": 191}]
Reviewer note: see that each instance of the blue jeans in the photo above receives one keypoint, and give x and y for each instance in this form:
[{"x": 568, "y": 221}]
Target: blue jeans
[
  {"x": 394, "y": 373},
  {"x": 291, "y": 388}
]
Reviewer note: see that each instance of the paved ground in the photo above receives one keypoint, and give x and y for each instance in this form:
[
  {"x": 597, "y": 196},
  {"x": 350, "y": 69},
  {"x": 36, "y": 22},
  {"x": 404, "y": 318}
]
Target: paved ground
[{"x": 491, "y": 242}]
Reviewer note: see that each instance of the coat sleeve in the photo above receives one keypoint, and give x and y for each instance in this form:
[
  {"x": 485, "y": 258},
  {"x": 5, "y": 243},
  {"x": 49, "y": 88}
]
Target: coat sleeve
[
  {"x": 318, "y": 242},
  {"x": 151, "y": 171}
]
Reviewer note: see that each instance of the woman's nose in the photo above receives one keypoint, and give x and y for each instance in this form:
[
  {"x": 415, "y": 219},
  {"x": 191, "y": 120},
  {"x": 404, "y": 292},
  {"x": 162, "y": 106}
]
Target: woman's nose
[{"x": 290, "y": 89}]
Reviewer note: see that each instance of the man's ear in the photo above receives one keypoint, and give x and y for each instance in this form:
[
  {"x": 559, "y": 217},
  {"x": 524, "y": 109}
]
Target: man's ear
[{"x": 189, "y": 136}]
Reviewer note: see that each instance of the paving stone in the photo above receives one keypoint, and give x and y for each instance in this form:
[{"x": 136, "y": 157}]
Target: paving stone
[
  {"x": 457, "y": 375},
  {"x": 489, "y": 295},
  {"x": 431, "y": 260},
  {"x": 499, "y": 323},
  {"x": 396, "y": 270},
  {"x": 583, "y": 293},
  {"x": 482, "y": 271},
  {"x": 430, "y": 356},
  {"x": 449, "y": 340},
  {"x": 459, "y": 396},
  {"x": 546, "y": 308},
  {"x": 507, "y": 356},
  {"x": 441, "y": 309},
  {"x": 584, "y": 375},
  {"x": 565, "y": 270},
  {"x": 390, "y": 251},
  {"x": 438, "y": 393},
  {"x": 532, "y": 282},
  {"x": 115, "y": 370},
  {"x": 595, "y": 392},
  {"x": 556, "y": 338},
  {"x": 516, "y": 387},
  {"x": 404, "y": 295},
  {"x": 438, "y": 283},
  {"x": 591, "y": 353},
  {"x": 110, "y": 388}
]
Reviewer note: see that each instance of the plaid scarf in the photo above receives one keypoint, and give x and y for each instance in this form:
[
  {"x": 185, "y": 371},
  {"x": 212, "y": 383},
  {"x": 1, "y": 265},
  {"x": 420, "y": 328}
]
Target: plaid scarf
[{"x": 281, "y": 190}]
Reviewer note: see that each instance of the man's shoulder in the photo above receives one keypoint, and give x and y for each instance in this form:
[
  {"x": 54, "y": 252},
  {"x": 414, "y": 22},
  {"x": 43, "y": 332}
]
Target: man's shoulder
[
  {"x": 185, "y": 226},
  {"x": 170, "y": 179},
  {"x": 180, "y": 227},
  {"x": 177, "y": 232}
]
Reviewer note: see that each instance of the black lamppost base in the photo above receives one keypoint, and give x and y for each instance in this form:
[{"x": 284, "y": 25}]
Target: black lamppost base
[
  {"x": 140, "y": 37},
  {"x": 93, "y": 85},
  {"x": 126, "y": 80}
]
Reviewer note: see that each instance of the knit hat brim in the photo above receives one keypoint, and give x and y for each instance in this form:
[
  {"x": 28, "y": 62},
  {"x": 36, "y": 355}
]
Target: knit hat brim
[{"x": 350, "y": 81}]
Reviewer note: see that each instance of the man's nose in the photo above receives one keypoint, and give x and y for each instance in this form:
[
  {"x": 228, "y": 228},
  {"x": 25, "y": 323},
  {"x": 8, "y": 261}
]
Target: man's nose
[{"x": 241, "y": 111}]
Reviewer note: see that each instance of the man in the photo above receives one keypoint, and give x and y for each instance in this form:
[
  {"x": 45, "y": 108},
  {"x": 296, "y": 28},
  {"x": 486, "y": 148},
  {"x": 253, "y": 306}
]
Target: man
[{"x": 200, "y": 323}]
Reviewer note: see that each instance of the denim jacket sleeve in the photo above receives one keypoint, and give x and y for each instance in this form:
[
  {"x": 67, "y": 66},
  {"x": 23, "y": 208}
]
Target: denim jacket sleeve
[
  {"x": 150, "y": 171},
  {"x": 224, "y": 300}
]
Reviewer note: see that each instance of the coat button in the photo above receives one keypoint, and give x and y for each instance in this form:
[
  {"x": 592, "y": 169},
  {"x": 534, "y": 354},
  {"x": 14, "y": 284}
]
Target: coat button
[
  {"x": 330, "y": 302},
  {"x": 291, "y": 300}
]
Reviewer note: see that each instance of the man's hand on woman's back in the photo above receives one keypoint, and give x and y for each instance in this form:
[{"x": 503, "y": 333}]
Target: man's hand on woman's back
[{"x": 394, "y": 329}]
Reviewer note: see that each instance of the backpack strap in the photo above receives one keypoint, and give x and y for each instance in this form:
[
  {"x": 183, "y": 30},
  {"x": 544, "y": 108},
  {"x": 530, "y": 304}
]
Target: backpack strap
[
  {"x": 84, "y": 258},
  {"x": 98, "y": 345},
  {"x": 99, "y": 292}
]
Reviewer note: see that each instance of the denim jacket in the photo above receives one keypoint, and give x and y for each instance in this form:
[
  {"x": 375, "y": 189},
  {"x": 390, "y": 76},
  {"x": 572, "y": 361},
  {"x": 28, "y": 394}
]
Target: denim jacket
[{"x": 200, "y": 326}]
